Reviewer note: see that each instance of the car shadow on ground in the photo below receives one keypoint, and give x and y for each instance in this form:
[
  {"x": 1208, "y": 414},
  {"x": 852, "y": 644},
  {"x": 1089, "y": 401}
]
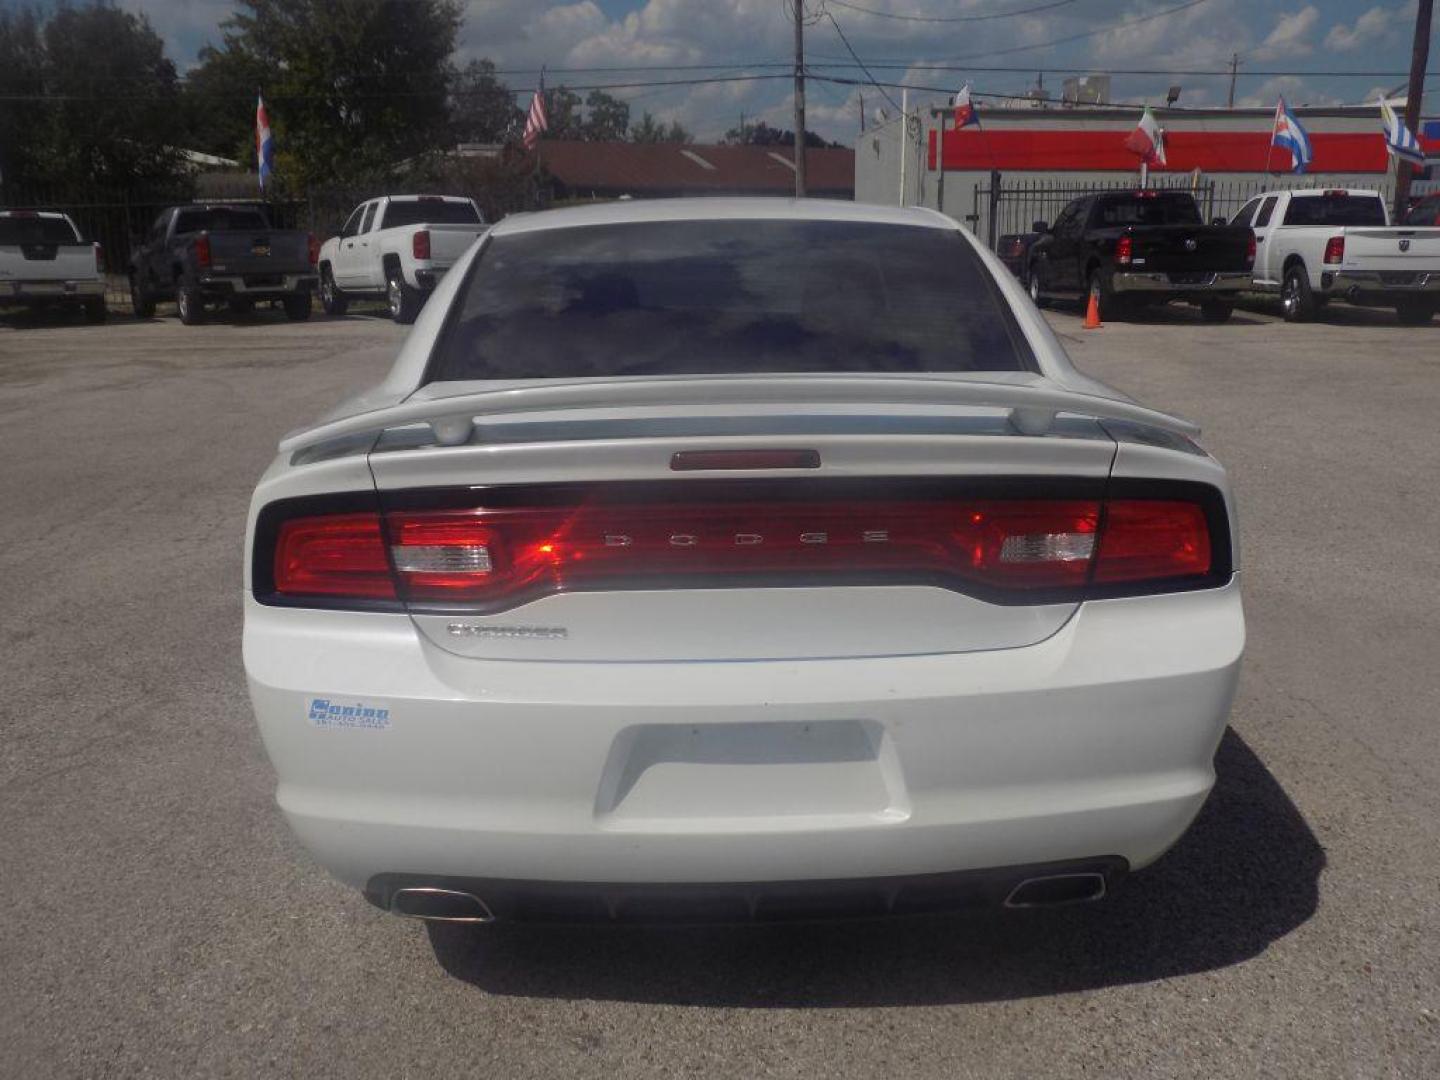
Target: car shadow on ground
[{"x": 1245, "y": 875}]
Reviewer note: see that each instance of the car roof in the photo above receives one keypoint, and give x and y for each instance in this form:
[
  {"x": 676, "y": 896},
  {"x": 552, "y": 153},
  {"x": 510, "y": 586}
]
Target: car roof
[
  {"x": 721, "y": 209},
  {"x": 427, "y": 198}
]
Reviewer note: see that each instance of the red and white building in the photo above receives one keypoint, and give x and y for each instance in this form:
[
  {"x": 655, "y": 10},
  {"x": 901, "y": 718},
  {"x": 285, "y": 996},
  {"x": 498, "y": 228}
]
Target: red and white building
[{"x": 1224, "y": 152}]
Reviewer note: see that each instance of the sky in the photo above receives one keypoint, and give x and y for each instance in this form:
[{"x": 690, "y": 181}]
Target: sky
[{"x": 1290, "y": 47}]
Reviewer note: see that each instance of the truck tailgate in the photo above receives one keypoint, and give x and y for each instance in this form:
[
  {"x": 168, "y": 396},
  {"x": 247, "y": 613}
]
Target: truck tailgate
[
  {"x": 48, "y": 262},
  {"x": 264, "y": 251},
  {"x": 1395, "y": 249},
  {"x": 1191, "y": 248},
  {"x": 449, "y": 242}
]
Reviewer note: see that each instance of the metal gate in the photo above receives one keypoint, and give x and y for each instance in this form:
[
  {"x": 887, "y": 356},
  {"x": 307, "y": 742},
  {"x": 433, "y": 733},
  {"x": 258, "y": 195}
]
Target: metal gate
[{"x": 1015, "y": 207}]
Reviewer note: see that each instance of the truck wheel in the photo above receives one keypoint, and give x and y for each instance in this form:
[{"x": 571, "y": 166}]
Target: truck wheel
[
  {"x": 331, "y": 298},
  {"x": 1112, "y": 304},
  {"x": 141, "y": 302},
  {"x": 1297, "y": 302},
  {"x": 95, "y": 311},
  {"x": 404, "y": 301},
  {"x": 192, "y": 307},
  {"x": 1216, "y": 311},
  {"x": 1415, "y": 312},
  {"x": 297, "y": 306},
  {"x": 1032, "y": 282}
]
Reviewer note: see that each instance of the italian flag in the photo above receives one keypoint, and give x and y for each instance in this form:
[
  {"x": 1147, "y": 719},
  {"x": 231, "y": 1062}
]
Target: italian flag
[{"x": 1147, "y": 140}]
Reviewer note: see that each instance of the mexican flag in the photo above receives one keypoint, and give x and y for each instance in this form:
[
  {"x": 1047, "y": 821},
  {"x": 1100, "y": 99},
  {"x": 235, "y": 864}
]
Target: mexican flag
[{"x": 1147, "y": 140}]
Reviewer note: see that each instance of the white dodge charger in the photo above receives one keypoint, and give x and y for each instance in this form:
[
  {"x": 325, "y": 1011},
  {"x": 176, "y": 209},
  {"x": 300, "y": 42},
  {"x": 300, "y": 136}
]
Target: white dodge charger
[{"x": 738, "y": 559}]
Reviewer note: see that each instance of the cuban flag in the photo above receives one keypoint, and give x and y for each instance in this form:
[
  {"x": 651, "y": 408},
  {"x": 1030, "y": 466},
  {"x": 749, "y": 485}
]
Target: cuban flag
[
  {"x": 1400, "y": 141},
  {"x": 1147, "y": 140},
  {"x": 264, "y": 143},
  {"x": 965, "y": 113},
  {"x": 1289, "y": 135}
]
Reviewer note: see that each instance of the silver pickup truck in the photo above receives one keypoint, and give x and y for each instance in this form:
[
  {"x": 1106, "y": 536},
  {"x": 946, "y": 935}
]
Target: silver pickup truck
[
  {"x": 43, "y": 262},
  {"x": 1314, "y": 246}
]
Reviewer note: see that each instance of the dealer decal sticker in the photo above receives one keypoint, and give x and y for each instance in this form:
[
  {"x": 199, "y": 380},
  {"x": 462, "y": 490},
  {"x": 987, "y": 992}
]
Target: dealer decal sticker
[{"x": 334, "y": 714}]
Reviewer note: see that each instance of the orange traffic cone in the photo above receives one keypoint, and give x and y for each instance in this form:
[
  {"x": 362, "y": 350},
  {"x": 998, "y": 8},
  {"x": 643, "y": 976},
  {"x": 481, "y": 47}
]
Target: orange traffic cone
[{"x": 1092, "y": 313}]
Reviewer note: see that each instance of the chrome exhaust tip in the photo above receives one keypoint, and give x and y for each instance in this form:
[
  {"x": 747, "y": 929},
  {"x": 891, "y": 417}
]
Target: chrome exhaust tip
[
  {"x": 1057, "y": 890},
  {"x": 440, "y": 905}
]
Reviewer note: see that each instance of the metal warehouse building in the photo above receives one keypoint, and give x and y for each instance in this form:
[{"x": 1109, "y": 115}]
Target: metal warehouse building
[{"x": 1046, "y": 156}]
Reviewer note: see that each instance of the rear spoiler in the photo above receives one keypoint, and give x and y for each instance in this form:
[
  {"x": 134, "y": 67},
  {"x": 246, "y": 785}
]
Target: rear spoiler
[{"x": 1032, "y": 409}]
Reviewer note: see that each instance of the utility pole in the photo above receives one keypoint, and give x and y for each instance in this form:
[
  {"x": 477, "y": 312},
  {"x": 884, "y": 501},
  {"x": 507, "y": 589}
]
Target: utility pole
[
  {"x": 862, "y": 113},
  {"x": 1418, "y": 59},
  {"x": 799, "y": 98},
  {"x": 1234, "y": 70}
]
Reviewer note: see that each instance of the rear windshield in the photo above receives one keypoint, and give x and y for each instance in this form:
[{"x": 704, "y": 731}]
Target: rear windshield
[
  {"x": 1335, "y": 210},
  {"x": 220, "y": 219},
  {"x": 1147, "y": 210},
  {"x": 723, "y": 297},
  {"x": 36, "y": 230},
  {"x": 430, "y": 212}
]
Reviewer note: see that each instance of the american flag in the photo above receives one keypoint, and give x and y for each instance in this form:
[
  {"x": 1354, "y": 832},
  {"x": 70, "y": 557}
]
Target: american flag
[{"x": 537, "y": 123}]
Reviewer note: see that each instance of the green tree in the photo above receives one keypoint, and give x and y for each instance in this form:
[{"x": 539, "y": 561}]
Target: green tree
[
  {"x": 219, "y": 98},
  {"x": 650, "y": 130},
  {"x": 607, "y": 118},
  {"x": 104, "y": 98},
  {"x": 483, "y": 109},
  {"x": 353, "y": 87},
  {"x": 562, "y": 107},
  {"x": 762, "y": 134}
]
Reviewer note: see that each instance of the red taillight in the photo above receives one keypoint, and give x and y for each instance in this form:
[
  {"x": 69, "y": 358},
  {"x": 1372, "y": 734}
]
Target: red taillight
[
  {"x": 99, "y": 259},
  {"x": 1335, "y": 249},
  {"x": 1250, "y": 251},
  {"x": 202, "y": 251},
  {"x": 1152, "y": 539},
  {"x": 1124, "y": 250},
  {"x": 1012, "y": 550},
  {"x": 314, "y": 249},
  {"x": 336, "y": 555},
  {"x": 420, "y": 244}
]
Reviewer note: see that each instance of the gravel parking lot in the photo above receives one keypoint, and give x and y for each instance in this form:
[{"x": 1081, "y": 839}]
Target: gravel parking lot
[{"x": 160, "y": 920}]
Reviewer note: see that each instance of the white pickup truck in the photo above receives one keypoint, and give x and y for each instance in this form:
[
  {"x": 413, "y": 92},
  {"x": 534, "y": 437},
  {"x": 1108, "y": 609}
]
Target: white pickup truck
[
  {"x": 1314, "y": 246},
  {"x": 44, "y": 262},
  {"x": 397, "y": 247}
]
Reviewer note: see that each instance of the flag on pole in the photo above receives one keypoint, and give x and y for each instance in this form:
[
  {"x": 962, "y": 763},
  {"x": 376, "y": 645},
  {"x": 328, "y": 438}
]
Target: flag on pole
[
  {"x": 965, "y": 113},
  {"x": 1289, "y": 135},
  {"x": 1147, "y": 140},
  {"x": 537, "y": 122},
  {"x": 264, "y": 143},
  {"x": 1400, "y": 141}
]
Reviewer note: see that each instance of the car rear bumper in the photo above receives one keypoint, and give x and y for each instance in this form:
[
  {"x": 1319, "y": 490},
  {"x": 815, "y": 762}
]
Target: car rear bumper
[
  {"x": 258, "y": 286},
  {"x": 1146, "y": 282},
  {"x": 396, "y": 757},
  {"x": 23, "y": 292},
  {"x": 1389, "y": 283}
]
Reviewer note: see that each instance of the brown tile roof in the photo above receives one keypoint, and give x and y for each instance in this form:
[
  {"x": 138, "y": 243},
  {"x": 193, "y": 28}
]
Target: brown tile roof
[{"x": 616, "y": 168}]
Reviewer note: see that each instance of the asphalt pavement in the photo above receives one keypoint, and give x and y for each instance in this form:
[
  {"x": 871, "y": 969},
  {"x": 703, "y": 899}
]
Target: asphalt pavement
[{"x": 159, "y": 920}]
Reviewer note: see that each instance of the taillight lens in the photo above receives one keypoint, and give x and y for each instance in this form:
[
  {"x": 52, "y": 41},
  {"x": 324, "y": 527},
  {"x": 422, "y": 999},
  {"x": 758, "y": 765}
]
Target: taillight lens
[
  {"x": 420, "y": 244},
  {"x": 334, "y": 555},
  {"x": 494, "y": 557},
  {"x": 1335, "y": 250},
  {"x": 99, "y": 259},
  {"x": 1124, "y": 250},
  {"x": 314, "y": 249},
  {"x": 1250, "y": 251},
  {"x": 202, "y": 251}
]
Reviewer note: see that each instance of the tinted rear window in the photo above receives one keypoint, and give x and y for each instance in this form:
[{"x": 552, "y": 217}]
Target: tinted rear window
[
  {"x": 722, "y": 297},
  {"x": 36, "y": 230},
  {"x": 220, "y": 219},
  {"x": 429, "y": 212},
  {"x": 1335, "y": 210},
  {"x": 1147, "y": 210}
]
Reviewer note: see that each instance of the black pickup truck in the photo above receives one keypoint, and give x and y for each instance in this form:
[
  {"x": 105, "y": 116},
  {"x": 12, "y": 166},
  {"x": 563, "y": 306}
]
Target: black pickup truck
[
  {"x": 199, "y": 255},
  {"x": 1133, "y": 248}
]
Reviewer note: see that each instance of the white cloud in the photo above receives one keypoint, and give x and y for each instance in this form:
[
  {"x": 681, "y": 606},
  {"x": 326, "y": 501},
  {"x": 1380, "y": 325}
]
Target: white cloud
[
  {"x": 1369, "y": 27},
  {"x": 1291, "y": 34}
]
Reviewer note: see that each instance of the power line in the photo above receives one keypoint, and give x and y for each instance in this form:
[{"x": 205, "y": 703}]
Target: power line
[
  {"x": 1050, "y": 6},
  {"x": 850, "y": 49}
]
